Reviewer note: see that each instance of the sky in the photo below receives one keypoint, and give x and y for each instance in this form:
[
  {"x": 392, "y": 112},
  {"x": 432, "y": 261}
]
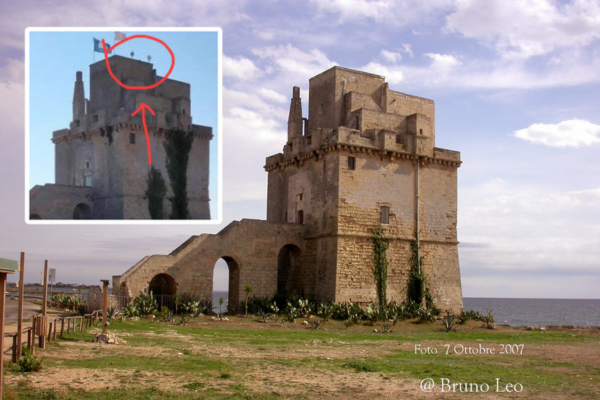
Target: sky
[
  {"x": 515, "y": 85},
  {"x": 59, "y": 54}
]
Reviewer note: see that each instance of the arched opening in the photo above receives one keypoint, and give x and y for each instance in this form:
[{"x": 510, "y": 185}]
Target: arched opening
[
  {"x": 226, "y": 285},
  {"x": 289, "y": 271},
  {"x": 82, "y": 211},
  {"x": 163, "y": 287},
  {"x": 35, "y": 216}
]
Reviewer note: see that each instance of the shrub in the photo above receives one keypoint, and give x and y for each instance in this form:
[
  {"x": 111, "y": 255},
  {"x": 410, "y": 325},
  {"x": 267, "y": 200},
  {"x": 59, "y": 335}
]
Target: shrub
[
  {"x": 449, "y": 321},
  {"x": 131, "y": 311},
  {"x": 291, "y": 312},
  {"x": 145, "y": 303},
  {"x": 325, "y": 311},
  {"x": 111, "y": 312},
  {"x": 28, "y": 362}
]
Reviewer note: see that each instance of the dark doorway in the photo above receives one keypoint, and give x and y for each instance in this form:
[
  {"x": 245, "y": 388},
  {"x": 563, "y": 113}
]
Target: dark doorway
[
  {"x": 289, "y": 271},
  {"x": 82, "y": 211},
  {"x": 163, "y": 287}
]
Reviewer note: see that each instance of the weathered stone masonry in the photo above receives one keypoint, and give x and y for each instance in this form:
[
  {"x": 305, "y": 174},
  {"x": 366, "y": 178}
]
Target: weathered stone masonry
[{"x": 364, "y": 157}]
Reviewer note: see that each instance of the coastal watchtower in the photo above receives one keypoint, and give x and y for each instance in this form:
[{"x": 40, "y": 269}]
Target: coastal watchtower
[
  {"x": 365, "y": 157},
  {"x": 101, "y": 159}
]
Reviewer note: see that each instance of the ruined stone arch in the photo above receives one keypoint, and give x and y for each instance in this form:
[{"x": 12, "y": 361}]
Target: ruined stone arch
[
  {"x": 290, "y": 280},
  {"x": 82, "y": 211}
]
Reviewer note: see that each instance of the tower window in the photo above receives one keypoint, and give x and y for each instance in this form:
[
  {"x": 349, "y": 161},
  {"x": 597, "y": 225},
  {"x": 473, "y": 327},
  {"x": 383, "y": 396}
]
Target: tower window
[
  {"x": 87, "y": 164},
  {"x": 351, "y": 163},
  {"x": 420, "y": 131},
  {"x": 385, "y": 215},
  {"x": 132, "y": 138}
]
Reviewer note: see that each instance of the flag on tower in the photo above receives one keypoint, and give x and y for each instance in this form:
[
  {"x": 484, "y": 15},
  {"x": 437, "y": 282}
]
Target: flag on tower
[
  {"x": 98, "y": 46},
  {"x": 120, "y": 36}
]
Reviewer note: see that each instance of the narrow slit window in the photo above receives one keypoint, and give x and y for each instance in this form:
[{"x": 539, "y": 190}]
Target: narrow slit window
[
  {"x": 301, "y": 217},
  {"x": 385, "y": 215},
  {"x": 351, "y": 163},
  {"x": 132, "y": 138}
]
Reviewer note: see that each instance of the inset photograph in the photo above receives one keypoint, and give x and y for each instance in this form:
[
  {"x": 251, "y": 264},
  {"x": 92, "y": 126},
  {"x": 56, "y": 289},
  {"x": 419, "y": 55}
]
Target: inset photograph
[{"x": 123, "y": 126}]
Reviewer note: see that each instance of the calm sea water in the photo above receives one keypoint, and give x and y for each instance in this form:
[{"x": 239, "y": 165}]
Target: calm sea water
[{"x": 526, "y": 312}]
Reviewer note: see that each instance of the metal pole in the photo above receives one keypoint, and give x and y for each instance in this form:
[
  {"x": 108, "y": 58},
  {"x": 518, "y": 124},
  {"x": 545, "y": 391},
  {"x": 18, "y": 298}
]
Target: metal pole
[{"x": 20, "y": 312}]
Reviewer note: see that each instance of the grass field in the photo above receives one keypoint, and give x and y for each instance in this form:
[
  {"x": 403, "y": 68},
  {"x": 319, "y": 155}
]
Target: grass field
[{"x": 245, "y": 359}]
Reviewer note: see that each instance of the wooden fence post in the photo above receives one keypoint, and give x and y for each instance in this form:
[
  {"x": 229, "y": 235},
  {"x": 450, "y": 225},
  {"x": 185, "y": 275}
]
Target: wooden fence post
[{"x": 14, "y": 349}]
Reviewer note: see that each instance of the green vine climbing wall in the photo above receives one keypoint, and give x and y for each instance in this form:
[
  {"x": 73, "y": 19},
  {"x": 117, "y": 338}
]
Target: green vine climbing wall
[{"x": 380, "y": 270}]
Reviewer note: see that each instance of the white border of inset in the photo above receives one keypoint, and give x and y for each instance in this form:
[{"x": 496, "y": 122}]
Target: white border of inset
[{"x": 219, "y": 132}]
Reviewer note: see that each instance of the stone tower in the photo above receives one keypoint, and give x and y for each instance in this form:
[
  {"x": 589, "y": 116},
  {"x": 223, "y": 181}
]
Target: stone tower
[
  {"x": 364, "y": 158},
  {"x": 101, "y": 160}
]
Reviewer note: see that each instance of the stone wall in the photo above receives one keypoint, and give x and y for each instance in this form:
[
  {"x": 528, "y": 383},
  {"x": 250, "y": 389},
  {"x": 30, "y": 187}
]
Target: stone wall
[{"x": 250, "y": 248}]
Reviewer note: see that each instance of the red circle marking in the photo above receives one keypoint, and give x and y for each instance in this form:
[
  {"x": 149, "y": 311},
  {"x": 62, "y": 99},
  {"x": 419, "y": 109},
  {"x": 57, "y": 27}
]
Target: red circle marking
[{"x": 134, "y": 37}]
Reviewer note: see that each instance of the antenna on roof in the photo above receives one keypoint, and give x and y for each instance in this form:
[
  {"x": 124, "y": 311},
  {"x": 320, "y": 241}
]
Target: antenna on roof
[
  {"x": 149, "y": 58},
  {"x": 132, "y": 54}
]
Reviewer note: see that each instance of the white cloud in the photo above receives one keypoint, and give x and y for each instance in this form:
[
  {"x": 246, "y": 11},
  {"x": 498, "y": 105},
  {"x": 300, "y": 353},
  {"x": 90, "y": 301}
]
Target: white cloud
[
  {"x": 265, "y": 34},
  {"x": 290, "y": 60},
  {"x": 443, "y": 61},
  {"x": 391, "y": 56},
  {"x": 526, "y": 28},
  {"x": 407, "y": 48},
  {"x": 240, "y": 68},
  {"x": 272, "y": 95},
  {"x": 571, "y": 133},
  {"x": 400, "y": 13},
  {"x": 392, "y": 75}
]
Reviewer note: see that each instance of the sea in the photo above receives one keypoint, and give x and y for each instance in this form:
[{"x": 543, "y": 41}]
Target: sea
[{"x": 538, "y": 312}]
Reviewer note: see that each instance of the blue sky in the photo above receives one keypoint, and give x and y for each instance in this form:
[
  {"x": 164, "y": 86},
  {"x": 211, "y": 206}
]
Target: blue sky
[
  {"x": 56, "y": 56},
  {"x": 516, "y": 88}
]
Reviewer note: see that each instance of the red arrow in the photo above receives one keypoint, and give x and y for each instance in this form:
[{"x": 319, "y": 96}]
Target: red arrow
[{"x": 143, "y": 107}]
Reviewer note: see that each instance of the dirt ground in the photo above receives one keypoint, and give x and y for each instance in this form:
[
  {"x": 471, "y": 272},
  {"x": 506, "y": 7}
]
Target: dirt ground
[{"x": 277, "y": 368}]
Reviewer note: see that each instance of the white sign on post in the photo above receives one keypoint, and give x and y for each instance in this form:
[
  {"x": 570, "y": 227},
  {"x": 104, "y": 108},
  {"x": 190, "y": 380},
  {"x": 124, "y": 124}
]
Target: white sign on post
[{"x": 52, "y": 275}]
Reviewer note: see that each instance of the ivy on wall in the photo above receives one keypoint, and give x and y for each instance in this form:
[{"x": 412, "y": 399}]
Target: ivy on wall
[
  {"x": 417, "y": 289},
  {"x": 155, "y": 193},
  {"x": 178, "y": 144},
  {"x": 380, "y": 270}
]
